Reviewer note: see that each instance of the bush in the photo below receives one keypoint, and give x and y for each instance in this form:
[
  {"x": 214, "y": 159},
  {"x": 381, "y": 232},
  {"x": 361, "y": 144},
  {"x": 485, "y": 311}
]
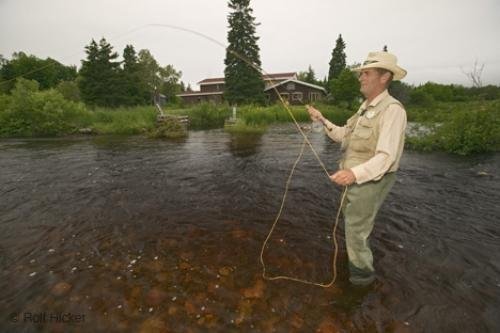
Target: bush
[
  {"x": 40, "y": 113},
  {"x": 70, "y": 90},
  {"x": 470, "y": 132},
  {"x": 466, "y": 131},
  {"x": 421, "y": 98},
  {"x": 208, "y": 115},
  {"x": 169, "y": 129}
]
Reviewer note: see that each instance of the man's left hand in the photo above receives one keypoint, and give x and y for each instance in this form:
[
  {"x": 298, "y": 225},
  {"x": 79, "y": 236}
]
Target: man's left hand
[{"x": 343, "y": 177}]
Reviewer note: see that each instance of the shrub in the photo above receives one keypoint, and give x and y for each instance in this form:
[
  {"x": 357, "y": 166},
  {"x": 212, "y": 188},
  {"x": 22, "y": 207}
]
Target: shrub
[
  {"x": 208, "y": 115},
  {"x": 421, "y": 98},
  {"x": 466, "y": 131},
  {"x": 40, "y": 113}
]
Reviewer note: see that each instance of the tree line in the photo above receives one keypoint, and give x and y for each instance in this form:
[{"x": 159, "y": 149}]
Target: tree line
[
  {"x": 138, "y": 79},
  {"x": 103, "y": 79}
]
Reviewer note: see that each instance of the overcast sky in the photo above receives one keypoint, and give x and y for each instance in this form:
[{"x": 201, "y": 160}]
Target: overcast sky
[{"x": 433, "y": 40}]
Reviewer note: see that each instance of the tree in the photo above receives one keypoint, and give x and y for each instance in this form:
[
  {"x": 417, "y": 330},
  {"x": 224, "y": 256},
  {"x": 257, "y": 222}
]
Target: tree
[
  {"x": 243, "y": 82},
  {"x": 171, "y": 84},
  {"x": 385, "y": 48},
  {"x": 100, "y": 77},
  {"x": 475, "y": 74},
  {"x": 308, "y": 76},
  {"x": 345, "y": 88},
  {"x": 135, "y": 85},
  {"x": 337, "y": 63},
  {"x": 159, "y": 79},
  {"x": 48, "y": 73}
]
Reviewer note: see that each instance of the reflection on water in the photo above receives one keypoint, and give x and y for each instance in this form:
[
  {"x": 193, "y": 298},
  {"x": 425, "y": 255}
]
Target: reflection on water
[
  {"x": 243, "y": 145},
  {"x": 131, "y": 234}
]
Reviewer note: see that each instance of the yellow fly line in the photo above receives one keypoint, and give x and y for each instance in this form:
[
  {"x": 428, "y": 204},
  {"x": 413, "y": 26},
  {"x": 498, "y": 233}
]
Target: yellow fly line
[{"x": 305, "y": 143}]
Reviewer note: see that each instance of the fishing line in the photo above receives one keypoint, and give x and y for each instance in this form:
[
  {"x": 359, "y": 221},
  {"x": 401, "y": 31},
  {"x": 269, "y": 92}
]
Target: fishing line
[{"x": 306, "y": 142}]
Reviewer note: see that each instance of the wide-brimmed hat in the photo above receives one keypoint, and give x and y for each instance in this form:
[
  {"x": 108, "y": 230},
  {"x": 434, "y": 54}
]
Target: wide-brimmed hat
[{"x": 385, "y": 60}]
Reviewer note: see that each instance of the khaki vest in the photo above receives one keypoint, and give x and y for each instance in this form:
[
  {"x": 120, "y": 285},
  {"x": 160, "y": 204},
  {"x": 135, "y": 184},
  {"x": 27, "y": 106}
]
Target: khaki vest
[{"x": 362, "y": 135}]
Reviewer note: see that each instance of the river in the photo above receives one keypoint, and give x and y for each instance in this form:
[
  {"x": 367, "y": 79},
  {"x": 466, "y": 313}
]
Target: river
[{"x": 119, "y": 234}]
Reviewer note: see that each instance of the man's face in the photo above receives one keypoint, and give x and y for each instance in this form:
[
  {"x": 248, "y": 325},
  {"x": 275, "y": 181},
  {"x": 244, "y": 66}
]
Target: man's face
[{"x": 372, "y": 82}]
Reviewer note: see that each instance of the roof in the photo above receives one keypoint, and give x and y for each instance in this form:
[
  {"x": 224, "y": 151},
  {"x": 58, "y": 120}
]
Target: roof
[
  {"x": 265, "y": 77},
  {"x": 298, "y": 82},
  {"x": 199, "y": 93}
]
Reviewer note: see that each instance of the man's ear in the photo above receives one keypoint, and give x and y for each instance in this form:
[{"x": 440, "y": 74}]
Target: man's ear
[{"x": 386, "y": 77}]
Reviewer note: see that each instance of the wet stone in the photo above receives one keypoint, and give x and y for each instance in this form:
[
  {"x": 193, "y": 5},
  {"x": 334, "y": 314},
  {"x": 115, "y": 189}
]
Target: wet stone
[
  {"x": 328, "y": 325},
  {"x": 153, "y": 325},
  {"x": 257, "y": 291},
  {"x": 162, "y": 277},
  {"x": 225, "y": 271},
  {"x": 297, "y": 321},
  {"x": 61, "y": 289},
  {"x": 155, "y": 297}
]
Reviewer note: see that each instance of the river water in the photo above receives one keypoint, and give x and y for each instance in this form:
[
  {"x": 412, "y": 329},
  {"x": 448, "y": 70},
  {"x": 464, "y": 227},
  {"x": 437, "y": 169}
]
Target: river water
[{"x": 119, "y": 234}]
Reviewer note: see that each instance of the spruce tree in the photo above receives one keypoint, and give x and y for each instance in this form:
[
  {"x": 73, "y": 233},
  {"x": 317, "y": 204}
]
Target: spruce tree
[
  {"x": 100, "y": 76},
  {"x": 308, "y": 76},
  {"x": 137, "y": 92},
  {"x": 243, "y": 83},
  {"x": 337, "y": 63}
]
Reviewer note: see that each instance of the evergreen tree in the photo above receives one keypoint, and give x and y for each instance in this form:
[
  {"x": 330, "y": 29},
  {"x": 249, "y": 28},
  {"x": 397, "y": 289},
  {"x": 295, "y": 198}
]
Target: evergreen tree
[
  {"x": 308, "y": 76},
  {"x": 337, "y": 63},
  {"x": 243, "y": 83},
  {"x": 100, "y": 80},
  {"x": 135, "y": 88}
]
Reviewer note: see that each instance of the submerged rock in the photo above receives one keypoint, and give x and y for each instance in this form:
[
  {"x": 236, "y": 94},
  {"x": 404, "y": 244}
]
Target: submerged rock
[
  {"x": 257, "y": 291},
  {"x": 153, "y": 325},
  {"x": 155, "y": 296},
  {"x": 61, "y": 289}
]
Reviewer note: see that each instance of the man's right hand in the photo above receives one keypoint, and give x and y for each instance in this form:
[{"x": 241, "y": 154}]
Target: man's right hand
[{"x": 314, "y": 114}]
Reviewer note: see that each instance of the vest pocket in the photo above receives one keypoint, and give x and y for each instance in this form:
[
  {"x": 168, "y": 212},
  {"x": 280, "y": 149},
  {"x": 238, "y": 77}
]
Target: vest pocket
[
  {"x": 362, "y": 138},
  {"x": 363, "y": 131}
]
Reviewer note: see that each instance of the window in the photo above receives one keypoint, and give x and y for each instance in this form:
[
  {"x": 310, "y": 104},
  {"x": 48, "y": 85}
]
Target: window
[
  {"x": 284, "y": 96},
  {"x": 314, "y": 96},
  {"x": 297, "y": 96},
  {"x": 290, "y": 86}
]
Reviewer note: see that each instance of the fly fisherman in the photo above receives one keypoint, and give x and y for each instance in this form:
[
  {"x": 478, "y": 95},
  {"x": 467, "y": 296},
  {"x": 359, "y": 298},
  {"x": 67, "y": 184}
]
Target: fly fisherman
[{"x": 372, "y": 144}]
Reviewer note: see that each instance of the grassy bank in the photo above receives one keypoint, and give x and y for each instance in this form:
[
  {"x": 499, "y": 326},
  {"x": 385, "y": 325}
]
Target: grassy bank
[
  {"x": 456, "y": 127},
  {"x": 460, "y": 128}
]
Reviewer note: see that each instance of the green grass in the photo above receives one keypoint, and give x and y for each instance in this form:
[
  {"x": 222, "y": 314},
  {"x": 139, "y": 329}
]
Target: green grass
[
  {"x": 123, "y": 121},
  {"x": 457, "y": 127},
  {"x": 464, "y": 128}
]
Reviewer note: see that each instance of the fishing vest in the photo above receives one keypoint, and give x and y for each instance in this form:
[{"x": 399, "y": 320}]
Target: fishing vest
[{"x": 360, "y": 140}]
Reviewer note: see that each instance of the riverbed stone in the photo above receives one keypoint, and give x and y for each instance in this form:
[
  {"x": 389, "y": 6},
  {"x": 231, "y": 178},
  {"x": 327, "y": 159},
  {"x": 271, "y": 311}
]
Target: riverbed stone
[{"x": 61, "y": 289}]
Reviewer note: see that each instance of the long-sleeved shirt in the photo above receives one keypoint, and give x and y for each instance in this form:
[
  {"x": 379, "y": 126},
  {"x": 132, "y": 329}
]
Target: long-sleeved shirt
[{"x": 392, "y": 130}]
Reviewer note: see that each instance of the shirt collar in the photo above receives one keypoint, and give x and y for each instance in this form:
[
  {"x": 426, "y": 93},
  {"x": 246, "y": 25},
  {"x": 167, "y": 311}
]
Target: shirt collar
[{"x": 374, "y": 102}]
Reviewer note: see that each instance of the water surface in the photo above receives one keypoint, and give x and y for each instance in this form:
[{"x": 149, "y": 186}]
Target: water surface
[{"x": 164, "y": 236}]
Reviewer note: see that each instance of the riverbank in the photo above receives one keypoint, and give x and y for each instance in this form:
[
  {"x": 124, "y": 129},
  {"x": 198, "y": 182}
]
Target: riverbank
[{"x": 457, "y": 127}]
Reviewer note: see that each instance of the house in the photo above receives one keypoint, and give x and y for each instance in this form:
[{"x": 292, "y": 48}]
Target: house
[{"x": 285, "y": 84}]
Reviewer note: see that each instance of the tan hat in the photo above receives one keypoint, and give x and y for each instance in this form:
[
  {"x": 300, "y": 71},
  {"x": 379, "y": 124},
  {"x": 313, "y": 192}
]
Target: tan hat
[{"x": 385, "y": 60}]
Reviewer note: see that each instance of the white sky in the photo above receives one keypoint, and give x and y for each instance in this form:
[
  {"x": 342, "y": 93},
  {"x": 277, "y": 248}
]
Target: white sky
[{"x": 432, "y": 39}]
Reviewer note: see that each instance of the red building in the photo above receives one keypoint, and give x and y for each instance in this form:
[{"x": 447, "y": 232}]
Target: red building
[{"x": 285, "y": 84}]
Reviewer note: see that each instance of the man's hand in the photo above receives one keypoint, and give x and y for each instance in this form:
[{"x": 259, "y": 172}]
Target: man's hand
[
  {"x": 343, "y": 177},
  {"x": 314, "y": 114}
]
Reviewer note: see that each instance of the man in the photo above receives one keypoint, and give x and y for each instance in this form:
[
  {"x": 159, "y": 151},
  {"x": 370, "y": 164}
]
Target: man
[{"x": 372, "y": 144}]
